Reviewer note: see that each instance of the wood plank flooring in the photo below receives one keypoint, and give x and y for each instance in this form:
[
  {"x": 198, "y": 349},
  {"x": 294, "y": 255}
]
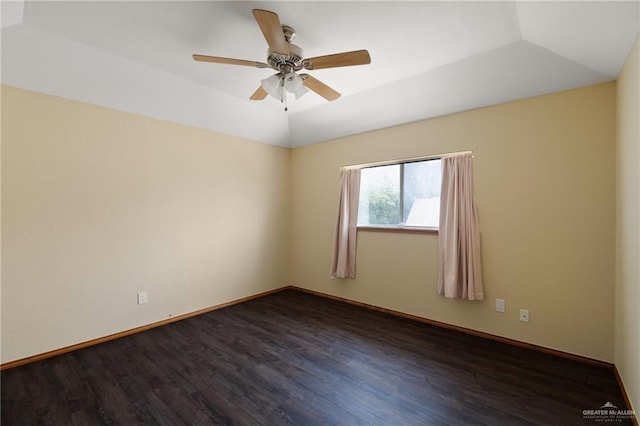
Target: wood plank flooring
[{"x": 297, "y": 358}]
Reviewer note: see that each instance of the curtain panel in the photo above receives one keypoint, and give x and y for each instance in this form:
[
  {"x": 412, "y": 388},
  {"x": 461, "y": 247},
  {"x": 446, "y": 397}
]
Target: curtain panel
[
  {"x": 460, "y": 272},
  {"x": 343, "y": 264}
]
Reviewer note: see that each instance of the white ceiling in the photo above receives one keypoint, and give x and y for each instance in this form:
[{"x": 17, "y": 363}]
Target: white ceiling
[{"x": 429, "y": 58}]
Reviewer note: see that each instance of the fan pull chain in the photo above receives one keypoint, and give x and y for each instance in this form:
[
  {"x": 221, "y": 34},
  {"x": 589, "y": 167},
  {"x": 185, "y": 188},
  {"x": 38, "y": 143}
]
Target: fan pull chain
[{"x": 283, "y": 100}]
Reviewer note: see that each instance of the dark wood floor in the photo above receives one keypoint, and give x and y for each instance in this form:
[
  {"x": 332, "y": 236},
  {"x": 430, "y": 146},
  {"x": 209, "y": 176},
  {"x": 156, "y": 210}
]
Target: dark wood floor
[{"x": 296, "y": 358}]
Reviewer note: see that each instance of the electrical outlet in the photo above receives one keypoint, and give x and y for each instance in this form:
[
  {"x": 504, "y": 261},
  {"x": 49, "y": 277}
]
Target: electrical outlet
[
  {"x": 142, "y": 298},
  {"x": 524, "y": 315},
  {"x": 499, "y": 305}
]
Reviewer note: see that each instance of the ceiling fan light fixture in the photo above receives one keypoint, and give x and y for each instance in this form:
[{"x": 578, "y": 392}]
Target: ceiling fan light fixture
[
  {"x": 276, "y": 85},
  {"x": 273, "y": 86},
  {"x": 300, "y": 92},
  {"x": 293, "y": 82}
]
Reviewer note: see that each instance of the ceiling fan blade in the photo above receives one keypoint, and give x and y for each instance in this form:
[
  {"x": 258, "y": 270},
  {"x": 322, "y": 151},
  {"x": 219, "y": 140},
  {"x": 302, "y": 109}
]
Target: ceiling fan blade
[
  {"x": 272, "y": 29},
  {"x": 319, "y": 87},
  {"x": 231, "y": 61},
  {"x": 346, "y": 59},
  {"x": 259, "y": 94}
]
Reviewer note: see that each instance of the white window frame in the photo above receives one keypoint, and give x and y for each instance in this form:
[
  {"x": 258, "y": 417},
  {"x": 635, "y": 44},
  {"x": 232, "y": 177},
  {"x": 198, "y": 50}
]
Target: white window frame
[{"x": 401, "y": 228}]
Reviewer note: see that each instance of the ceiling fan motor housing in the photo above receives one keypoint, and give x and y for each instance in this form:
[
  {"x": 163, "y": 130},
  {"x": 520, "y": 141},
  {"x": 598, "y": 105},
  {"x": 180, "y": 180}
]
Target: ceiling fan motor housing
[{"x": 292, "y": 61}]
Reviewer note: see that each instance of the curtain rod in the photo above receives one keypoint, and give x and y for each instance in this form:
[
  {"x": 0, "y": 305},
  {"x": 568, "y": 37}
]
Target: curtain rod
[{"x": 406, "y": 160}]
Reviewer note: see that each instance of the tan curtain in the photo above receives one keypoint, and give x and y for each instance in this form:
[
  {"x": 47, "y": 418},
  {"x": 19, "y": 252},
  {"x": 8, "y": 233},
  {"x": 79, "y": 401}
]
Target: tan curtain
[
  {"x": 460, "y": 273},
  {"x": 343, "y": 263}
]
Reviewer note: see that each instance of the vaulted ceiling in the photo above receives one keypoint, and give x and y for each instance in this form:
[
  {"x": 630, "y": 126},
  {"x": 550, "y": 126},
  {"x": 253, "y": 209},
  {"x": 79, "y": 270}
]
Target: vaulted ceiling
[{"x": 428, "y": 58}]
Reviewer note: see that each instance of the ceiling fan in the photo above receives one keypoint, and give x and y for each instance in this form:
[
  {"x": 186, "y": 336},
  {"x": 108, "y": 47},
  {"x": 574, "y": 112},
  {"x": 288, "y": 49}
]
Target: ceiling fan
[{"x": 287, "y": 59}]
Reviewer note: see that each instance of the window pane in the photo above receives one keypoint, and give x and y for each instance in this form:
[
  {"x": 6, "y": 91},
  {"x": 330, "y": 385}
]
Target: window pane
[
  {"x": 421, "y": 200},
  {"x": 379, "y": 202}
]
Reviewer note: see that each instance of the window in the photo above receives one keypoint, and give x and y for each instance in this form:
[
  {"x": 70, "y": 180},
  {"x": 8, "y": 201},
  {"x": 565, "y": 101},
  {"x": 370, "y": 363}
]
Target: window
[{"x": 401, "y": 195}]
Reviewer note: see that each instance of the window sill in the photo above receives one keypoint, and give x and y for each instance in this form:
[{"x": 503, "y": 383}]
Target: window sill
[{"x": 399, "y": 229}]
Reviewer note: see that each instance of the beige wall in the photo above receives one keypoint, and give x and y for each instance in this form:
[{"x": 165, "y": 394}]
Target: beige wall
[
  {"x": 99, "y": 204},
  {"x": 544, "y": 185},
  {"x": 627, "y": 305}
]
